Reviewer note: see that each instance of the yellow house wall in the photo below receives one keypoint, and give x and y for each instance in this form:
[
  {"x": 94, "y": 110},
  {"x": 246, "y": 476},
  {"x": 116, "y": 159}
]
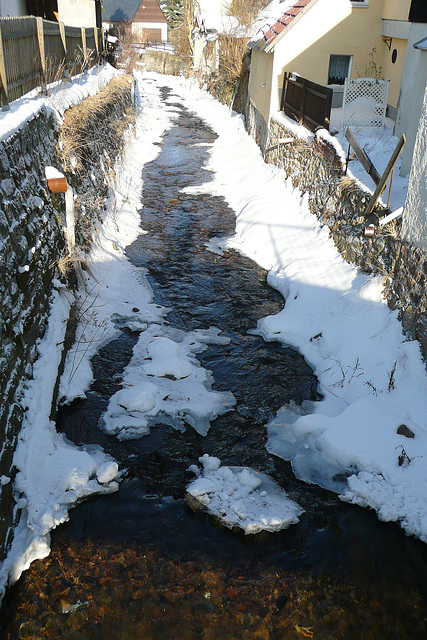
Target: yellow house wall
[
  {"x": 396, "y": 9},
  {"x": 329, "y": 27},
  {"x": 261, "y": 74}
]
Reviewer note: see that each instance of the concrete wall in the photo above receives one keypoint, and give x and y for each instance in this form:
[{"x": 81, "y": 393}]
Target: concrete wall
[
  {"x": 414, "y": 81},
  {"x": 415, "y": 214},
  {"x": 260, "y": 83},
  {"x": 394, "y": 70},
  {"x": 163, "y": 62}
]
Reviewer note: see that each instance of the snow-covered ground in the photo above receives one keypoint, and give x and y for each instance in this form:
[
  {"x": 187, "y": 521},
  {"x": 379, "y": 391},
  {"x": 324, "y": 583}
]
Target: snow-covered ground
[
  {"x": 379, "y": 145},
  {"x": 372, "y": 379}
]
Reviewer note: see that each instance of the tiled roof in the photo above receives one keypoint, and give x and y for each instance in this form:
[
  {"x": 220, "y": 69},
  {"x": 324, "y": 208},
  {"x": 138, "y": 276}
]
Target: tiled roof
[
  {"x": 132, "y": 10},
  {"x": 149, "y": 11},
  {"x": 270, "y": 32}
]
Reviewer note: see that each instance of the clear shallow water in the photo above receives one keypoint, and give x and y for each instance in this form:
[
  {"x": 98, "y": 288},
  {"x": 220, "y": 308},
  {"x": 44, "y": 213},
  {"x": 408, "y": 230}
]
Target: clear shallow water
[{"x": 139, "y": 564}]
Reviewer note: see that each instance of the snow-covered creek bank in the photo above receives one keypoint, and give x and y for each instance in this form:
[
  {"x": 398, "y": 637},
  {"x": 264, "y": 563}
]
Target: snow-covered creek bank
[{"x": 138, "y": 563}]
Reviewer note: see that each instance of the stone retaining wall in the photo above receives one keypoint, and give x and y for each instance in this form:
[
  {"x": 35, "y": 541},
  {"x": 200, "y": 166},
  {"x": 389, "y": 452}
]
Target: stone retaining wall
[
  {"x": 338, "y": 202},
  {"x": 163, "y": 62},
  {"x": 32, "y": 242}
]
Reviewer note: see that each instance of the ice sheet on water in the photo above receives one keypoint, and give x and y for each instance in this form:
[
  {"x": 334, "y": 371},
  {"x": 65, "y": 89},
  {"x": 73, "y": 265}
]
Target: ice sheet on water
[
  {"x": 217, "y": 245},
  {"x": 293, "y": 435},
  {"x": 242, "y": 497},
  {"x": 164, "y": 382}
]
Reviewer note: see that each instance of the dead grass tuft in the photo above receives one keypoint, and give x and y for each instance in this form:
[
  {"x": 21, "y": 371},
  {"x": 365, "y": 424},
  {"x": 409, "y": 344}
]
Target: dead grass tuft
[
  {"x": 91, "y": 138},
  {"x": 348, "y": 185},
  {"x": 88, "y": 125}
]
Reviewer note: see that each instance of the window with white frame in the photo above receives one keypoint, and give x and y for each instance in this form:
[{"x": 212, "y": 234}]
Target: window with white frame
[{"x": 339, "y": 69}]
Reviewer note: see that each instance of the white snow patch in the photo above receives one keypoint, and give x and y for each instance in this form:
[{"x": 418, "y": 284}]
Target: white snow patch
[
  {"x": 164, "y": 382},
  {"x": 243, "y": 497}
]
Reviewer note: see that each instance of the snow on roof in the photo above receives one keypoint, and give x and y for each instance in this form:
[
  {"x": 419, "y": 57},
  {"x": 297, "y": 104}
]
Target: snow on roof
[{"x": 278, "y": 16}]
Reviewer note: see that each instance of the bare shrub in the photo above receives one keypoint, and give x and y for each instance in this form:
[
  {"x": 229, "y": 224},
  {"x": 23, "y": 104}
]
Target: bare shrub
[
  {"x": 246, "y": 11},
  {"x": 129, "y": 55},
  {"x": 183, "y": 35}
]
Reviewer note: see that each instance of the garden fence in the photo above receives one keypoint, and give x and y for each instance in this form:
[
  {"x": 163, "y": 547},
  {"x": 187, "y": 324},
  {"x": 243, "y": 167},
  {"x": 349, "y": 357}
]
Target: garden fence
[
  {"x": 34, "y": 52},
  {"x": 364, "y": 103},
  {"x": 307, "y": 102}
]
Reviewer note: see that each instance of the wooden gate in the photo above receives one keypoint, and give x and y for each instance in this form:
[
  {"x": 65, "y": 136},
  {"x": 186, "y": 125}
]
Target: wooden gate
[{"x": 307, "y": 102}]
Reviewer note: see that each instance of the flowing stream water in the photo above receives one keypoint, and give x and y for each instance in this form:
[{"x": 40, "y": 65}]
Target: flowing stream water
[{"x": 139, "y": 564}]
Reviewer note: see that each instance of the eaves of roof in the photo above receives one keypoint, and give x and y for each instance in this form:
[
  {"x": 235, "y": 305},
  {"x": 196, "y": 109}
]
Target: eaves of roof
[{"x": 272, "y": 34}]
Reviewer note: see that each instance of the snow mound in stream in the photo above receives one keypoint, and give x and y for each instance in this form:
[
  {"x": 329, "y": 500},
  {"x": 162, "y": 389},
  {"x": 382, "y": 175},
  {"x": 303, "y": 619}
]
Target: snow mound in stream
[
  {"x": 165, "y": 383},
  {"x": 242, "y": 497}
]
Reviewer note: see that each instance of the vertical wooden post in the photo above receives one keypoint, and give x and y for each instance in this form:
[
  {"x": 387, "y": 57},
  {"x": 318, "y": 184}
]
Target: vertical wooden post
[
  {"x": 285, "y": 82},
  {"x": 63, "y": 39},
  {"x": 84, "y": 45},
  {"x": 40, "y": 38},
  {"x": 3, "y": 77},
  {"x": 95, "y": 37},
  {"x": 327, "y": 113},
  {"x": 303, "y": 94}
]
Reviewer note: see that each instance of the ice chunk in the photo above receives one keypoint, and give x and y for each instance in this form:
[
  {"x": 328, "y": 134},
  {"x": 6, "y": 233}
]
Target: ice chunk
[
  {"x": 141, "y": 398},
  {"x": 242, "y": 497},
  {"x": 165, "y": 383}
]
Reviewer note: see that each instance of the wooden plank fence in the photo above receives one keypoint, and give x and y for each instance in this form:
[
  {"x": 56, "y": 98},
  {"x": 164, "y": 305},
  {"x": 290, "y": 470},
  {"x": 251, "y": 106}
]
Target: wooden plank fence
[
  {"x": 307, "y": 102},
  {"x": 35, "y": 52}
]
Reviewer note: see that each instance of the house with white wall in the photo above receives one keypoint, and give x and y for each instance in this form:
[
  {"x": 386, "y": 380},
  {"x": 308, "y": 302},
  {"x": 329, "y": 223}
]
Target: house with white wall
[
  {"x": 143, "y": 20},
  {"x": 414, "y": 79},
  {"x": 13, "y": 8},
  {"x": 73, "y": 13}
]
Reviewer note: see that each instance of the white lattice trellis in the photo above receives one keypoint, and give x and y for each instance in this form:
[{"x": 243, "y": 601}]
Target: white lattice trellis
[{"x": 364, "y": 102}]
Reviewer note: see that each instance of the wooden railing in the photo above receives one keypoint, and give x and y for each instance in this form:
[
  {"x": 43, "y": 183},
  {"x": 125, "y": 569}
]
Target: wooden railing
[
  {"x": 307, "y": 102},
  {"x": 34, "y": 52}
]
